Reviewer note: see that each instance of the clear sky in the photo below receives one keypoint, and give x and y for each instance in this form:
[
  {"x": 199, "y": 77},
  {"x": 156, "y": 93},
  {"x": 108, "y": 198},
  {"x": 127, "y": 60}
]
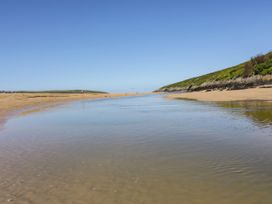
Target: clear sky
[{"x": 129, "y": 45}]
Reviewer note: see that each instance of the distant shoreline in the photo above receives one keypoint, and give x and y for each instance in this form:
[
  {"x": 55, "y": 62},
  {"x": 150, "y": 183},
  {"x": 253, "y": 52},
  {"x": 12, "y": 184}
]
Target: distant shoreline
[
  {"x": 256, "y": 94},
  {"x": 75, "y": 91}
]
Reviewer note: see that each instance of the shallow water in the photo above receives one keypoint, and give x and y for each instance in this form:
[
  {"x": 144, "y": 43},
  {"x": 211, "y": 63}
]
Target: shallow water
[{"x": 139, "y": 150}]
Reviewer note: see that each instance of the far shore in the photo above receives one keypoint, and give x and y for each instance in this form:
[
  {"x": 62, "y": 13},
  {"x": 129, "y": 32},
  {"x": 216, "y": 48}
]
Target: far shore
[
  {"x": 252, "y": 94},
  {"x": 14, "y": 103}
]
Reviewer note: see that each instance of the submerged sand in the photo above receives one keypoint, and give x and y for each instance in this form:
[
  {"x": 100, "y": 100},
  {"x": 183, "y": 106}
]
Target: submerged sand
[
  {"x": 264, "y": 94},
  {"x": 29, "y": 102}
]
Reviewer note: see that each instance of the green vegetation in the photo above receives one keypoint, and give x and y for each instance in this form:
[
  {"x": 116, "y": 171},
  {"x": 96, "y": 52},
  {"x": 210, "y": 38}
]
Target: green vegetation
[
  {"x": 77, "y": 91},
  {"x": 260, "y": 65}
]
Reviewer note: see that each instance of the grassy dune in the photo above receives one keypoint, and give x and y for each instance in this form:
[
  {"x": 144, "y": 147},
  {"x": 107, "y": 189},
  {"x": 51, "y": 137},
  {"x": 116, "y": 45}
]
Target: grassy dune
[{"x": 256, "y": 71}]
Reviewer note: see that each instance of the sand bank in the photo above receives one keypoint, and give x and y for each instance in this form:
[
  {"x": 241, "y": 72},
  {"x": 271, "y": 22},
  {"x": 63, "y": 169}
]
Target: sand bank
[
  {"x": 31, "y": 102},
  {"x": 264, "y": 94}
]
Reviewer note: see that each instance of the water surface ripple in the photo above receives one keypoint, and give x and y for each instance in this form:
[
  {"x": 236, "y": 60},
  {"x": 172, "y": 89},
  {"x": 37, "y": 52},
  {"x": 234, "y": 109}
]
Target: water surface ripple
[{"x": 139, "y": 150}]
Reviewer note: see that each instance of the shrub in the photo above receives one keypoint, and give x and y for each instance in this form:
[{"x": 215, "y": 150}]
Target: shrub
[
  {"x": 268, "y": 56},
  {"x": 248, "y": 69},
  {"x": 258, "y": 59}
]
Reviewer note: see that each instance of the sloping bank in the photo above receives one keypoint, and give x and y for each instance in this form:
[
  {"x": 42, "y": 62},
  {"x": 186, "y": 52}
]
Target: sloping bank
[
  {"x": 255, "y": 72},
  {"x": 247, "y": 81}
]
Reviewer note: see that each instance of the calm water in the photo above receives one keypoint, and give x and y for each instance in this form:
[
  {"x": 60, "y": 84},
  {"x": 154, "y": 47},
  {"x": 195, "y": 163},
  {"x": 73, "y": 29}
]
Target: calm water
[{"x": 139, "y": 150}]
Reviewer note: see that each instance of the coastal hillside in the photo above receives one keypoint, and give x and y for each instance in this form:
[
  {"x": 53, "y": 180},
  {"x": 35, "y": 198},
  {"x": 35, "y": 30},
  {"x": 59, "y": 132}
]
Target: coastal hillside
[{"x": 255, "y": 72}]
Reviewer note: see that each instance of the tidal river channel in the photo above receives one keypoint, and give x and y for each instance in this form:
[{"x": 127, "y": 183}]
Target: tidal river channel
[{"x": 139, "y": 150}]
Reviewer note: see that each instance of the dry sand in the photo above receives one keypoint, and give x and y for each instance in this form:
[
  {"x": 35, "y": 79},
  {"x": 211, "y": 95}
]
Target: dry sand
[
  {"x": 31, "y": 102},
  {"x": 264, "y": 94}
]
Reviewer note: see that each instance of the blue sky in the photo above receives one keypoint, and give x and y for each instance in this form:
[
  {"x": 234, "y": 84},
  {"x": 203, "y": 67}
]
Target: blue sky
[{"x": 116, "y": 45}]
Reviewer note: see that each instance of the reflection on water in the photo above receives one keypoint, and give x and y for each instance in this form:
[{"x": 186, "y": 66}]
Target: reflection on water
[
  {"x": 259, "y": 112},
  {"x": 138, "y": 150}
]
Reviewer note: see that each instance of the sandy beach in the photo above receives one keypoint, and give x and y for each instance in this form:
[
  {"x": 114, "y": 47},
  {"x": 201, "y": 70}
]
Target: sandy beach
[
  {"x": 264, "y": 94},
  {"x": 31, "y": 102}
]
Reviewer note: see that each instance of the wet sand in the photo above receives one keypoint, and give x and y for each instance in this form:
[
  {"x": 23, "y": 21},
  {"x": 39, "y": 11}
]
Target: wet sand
[
  {"x": 263, "y": 94},
  {"x": 31, "y": 102}
]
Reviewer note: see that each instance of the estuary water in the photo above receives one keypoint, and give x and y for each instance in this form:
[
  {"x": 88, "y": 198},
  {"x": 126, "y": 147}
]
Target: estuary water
[{"x": 139, "y": 150}]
